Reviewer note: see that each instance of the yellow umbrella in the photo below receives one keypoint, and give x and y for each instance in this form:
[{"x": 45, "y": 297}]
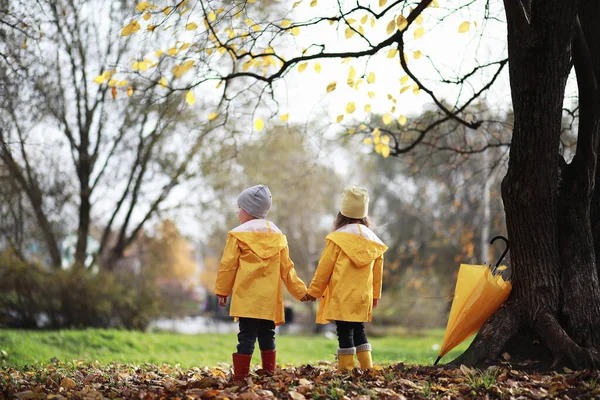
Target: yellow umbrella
[{"x": 478, "y": 294}]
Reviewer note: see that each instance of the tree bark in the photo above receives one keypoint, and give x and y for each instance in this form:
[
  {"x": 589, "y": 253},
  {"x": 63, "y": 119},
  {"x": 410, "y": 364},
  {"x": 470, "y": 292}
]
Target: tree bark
[{"x": 555, "y": 299}]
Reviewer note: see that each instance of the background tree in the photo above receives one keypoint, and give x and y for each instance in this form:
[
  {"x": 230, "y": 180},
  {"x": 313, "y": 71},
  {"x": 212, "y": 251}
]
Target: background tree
[
  {"x": 171, "y": 255},
  {"x": 64, "y": 144}
]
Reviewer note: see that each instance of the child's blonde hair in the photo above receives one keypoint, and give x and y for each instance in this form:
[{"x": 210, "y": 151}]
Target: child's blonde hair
[{"x": 341, "y": 220}]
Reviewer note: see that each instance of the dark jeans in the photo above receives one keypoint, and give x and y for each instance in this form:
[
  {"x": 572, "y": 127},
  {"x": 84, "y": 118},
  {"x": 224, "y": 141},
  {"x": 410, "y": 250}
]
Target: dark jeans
[
  {"x": 250, "y": 329},
  {"x": 351, "y": 334}
]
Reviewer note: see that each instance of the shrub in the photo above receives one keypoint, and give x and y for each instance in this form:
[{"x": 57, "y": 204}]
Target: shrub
[{"x": 33, "y": 297}]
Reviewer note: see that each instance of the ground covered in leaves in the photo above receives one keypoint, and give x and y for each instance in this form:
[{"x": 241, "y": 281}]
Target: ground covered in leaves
[{"x": 81, "y": 380}]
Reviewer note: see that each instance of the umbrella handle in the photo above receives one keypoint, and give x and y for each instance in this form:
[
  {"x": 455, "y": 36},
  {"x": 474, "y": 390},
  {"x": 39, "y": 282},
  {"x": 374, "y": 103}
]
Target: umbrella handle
[{"x": 505, "y": 250}]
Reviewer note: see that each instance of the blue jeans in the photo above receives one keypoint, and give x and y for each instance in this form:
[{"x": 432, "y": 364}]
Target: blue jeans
[
  {"x": 351, "y": 334},
  {"x": 250, "y": 330}
]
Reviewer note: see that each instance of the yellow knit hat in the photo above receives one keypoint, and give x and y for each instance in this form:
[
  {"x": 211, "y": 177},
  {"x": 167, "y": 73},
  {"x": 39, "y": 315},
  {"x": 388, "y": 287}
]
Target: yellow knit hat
[{"x": 354, "y": 202}]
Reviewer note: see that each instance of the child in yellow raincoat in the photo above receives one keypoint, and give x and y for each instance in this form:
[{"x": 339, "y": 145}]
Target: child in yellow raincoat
[
  {"x": 348, "y": 278},
  {"x": 254, "y": 263}
]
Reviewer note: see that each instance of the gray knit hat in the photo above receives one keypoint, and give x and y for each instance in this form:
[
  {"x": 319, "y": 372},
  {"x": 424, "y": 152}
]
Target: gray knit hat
[{"x": 256, "y": 201}]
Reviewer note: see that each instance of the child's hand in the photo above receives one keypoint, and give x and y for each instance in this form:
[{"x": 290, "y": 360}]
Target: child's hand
[
  {"x": 375, "y": 302},
  {"x": 222, "y": 300},
  {"x": 307, "y": 297}
]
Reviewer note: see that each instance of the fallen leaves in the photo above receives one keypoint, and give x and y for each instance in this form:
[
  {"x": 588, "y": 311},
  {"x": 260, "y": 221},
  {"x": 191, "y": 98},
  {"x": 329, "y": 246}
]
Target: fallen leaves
[{"x": 92, "y": 380}]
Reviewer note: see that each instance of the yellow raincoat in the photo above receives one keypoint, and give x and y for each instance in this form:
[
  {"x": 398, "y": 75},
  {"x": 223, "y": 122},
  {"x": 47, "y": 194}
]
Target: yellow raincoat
[
  {"x": 255, "y": 262},
  {"x": 348, "y": 277}
]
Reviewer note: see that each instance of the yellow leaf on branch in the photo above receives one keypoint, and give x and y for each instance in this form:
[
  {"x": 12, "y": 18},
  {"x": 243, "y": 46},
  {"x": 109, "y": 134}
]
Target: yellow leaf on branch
[
  {"x": 259, "y": 124},
  {"x": 285, "y": 117},
  {"x": 349, "y": 33},
  {"x": 139, "y": 66},
  {"x": 100, "y": 79},
  {"x": 350, "y": 107},
  {"x": 464, "y": 27},
  {"x": 417, "y": 54},
  {"x": 179, "y": 70},
  {"x": 404, "y": 79},
  {"x": 419, "y": 32},
  {"x": 387, "y": 119},
  {"x": 339, "y": 118},
  {"x": 391, "y": 27},
  {"x": 163, "y": 82},
  {"x": 190, "y": 98},
  {"x": 212, "y": 116},
  {"x": 191, "y": 26},
  {"x": 317, "y": 68},
  {"x": 295, "y": 31},
  {"x": 351, "y": 74},
  {"x": 371, "y": 78},
  {"x": 331, "y": 87},
  {"x": 402, "y": 120},
  {"x": 302, "y": 67},
  {"x": 392, "y": 53},
  {"x": 401, "y": 22},
  {"x": 382, "y": 3},
  {"x": 132, "y": 27},
  {"x": 285, "y": 23},
  {"x": 142, "y": 6},
  {"x": 385, "y": 151},
  {"x": 367, "y": 108}
]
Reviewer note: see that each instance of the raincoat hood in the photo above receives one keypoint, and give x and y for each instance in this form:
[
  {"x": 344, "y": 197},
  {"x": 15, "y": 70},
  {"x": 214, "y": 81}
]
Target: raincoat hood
[
  {"x": 262, "y": 237},
  {"x": 362, "y": 250}
]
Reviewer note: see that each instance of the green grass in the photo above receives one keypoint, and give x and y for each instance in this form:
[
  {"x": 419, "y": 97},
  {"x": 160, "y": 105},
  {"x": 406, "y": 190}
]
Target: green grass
[{"x": 19, "y": 348}]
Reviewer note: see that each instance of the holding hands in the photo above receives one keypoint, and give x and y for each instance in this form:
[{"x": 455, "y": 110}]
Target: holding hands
[{"x": 307, "y": 297}]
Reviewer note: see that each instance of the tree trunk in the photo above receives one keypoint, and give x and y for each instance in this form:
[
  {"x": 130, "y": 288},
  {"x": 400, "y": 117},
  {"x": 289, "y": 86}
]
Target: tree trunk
[
  {"x": 83, "y": 171},
  {"x": 555, "y": 301}
]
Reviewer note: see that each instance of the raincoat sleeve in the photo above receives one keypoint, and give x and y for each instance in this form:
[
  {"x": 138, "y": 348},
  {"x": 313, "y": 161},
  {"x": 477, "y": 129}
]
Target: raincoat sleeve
[
  {"x": 324, "y": 270},
  {"x": 377, "y": 277},
  {"x": 294, "y": 285},
  {"x": 228, "y": 267}
]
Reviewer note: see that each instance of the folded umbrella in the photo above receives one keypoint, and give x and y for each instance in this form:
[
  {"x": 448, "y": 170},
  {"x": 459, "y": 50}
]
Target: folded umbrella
[{"x": 478, "y": 294}]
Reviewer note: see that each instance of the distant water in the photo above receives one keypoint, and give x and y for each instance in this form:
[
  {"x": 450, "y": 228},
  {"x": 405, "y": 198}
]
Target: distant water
[{"x": 196, "y": 325}]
